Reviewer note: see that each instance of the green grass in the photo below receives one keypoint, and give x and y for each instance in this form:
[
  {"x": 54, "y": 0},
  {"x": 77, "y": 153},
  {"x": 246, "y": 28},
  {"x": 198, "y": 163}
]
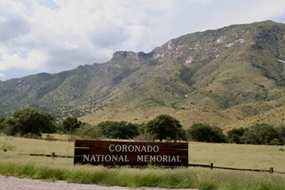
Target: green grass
[
  {"x": 149, "y": 177},
  {"x": 17, "y": 162},
  {"x": 238, "y": 156}
]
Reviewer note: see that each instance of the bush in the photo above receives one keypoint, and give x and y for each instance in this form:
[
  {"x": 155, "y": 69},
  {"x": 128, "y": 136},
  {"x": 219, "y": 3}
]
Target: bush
[
  {"x": 70, "y": 124},
  {"x": 87, "y": 131},
  {"x": 120, "y": 130},
  {"x": 262, "y": 134},
  {"x": 235, "y": 135},
  {"x": 8, "y": 126},
  {"x": 165, "y": 127},
  {"x": 205, "y": 133},
  {"x": 29, "y": 123},
  {"x": 281, "y": 131},
  {"x": 144, "y": 136}
]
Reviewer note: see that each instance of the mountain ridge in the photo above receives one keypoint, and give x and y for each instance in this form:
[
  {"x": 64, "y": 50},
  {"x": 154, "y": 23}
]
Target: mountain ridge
[{"x": 222, "y": 77}]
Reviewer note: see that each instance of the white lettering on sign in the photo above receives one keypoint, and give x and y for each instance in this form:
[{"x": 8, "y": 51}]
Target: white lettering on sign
[
  {"x": 124, "y": 158},
  {"x": 133, "y": 148},
  {"x": 158, "y": 158},
  {"x": 105, "y": 158}
]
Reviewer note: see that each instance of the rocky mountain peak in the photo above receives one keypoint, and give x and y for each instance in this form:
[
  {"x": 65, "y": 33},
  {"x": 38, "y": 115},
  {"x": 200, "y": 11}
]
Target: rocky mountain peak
[
  {"x": 129, "y": 55},
  {"x": 229, "y": 70}
]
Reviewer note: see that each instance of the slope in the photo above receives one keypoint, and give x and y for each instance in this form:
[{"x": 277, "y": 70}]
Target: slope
[{"x": 226, "y": 77}]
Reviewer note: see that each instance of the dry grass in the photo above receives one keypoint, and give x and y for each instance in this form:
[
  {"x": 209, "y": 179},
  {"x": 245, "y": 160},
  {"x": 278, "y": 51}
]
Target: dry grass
[
  {"x": 238, "y": 156},
  {"x": 17, "y": 162},
  {"x": 227, "y": 155}
]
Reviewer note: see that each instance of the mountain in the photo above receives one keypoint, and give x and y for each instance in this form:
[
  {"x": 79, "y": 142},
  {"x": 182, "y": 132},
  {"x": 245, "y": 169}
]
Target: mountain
[{"x": 229, "y": 77}]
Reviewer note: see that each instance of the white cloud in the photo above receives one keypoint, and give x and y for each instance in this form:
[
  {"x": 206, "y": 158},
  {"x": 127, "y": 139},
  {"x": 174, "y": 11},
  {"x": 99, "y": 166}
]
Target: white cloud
[
  {"x": 2, "y": 75},
  {"x": 56, "y": 35},
  {"x": 4, "y": 19},
  {"x": 32, "y": 61}
]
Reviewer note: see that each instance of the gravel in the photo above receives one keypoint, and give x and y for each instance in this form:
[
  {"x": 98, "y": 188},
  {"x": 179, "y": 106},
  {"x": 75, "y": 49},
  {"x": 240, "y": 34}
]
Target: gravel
[{"x": 13, "y": 183}]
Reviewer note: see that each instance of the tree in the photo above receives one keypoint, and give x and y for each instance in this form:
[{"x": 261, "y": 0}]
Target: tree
[
  {"x": 70, "y": 124},
  {"x": 205, "y": 133},
  {"x": 165, "y": 126},
  {"x": 281, "y": 131},
  {"x": 32, "y": 121},
  {"x": 87, "y": 131},
  {"x": 235, "y": 135},
  {"x": 143, "y": 134},
  {"x": 121, "y": 130},
  {"x": 8, "y": 126},
  {"x": 262, "y": 134}
]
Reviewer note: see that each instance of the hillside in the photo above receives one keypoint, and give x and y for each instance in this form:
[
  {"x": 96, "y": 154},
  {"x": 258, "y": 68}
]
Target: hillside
[{"x": 230, "y": 77}]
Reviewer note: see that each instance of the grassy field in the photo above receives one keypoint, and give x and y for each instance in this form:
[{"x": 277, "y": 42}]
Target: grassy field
[{"x": 17, "y": 162}]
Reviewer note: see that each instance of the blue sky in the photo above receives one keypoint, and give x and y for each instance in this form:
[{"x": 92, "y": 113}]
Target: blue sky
[{"x": 57, "y": 35}]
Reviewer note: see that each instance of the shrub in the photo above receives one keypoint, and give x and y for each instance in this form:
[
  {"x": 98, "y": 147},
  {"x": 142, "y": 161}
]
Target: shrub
[
  {"x": 281, "y": 131},
  {"x": 70, "y": 124},
  {"x": 165, "y": 127},
  {"x": 205, "y": 133},
  {"x": 115, "y": 129},
  {"x": 235, "y": 135},
  {"x": 87, "y": 131},
  {"x": 262, "y": 134},
  {"x": 29, "y": 123}
]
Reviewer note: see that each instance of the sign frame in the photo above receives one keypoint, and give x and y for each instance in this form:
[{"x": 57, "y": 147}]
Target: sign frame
[{"x": 108, "y": 153}]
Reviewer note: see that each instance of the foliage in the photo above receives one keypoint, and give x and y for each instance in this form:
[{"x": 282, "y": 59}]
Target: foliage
[
  {"x": 121, "y": 130},
  {"x": 70, "y": 124},
  {"x": 17, "y": 162},
  {"x": 235, "y": 135},
  {"x": 87, "y": 131},
  {"x": 163, "y": 81},
  {"x": 262, "y": 134},
  {"x": 29, "y": 122},
  {"x": 281, "y": 131},
  {"x": 165, "y": 126},
  {"x": 8, "y": 126},
  {"x": 181, "y": 178},
  {"x": 144, "y": 135},
  {"x": 34, "y": 121},
  {"x": 205, "y": 133}
]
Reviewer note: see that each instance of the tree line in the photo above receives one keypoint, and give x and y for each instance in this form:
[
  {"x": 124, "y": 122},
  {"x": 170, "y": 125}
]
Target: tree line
[{"x": 30, "y": 122}]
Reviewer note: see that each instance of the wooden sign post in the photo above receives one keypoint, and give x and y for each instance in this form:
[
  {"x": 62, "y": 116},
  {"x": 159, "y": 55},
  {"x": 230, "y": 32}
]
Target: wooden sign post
[{"x": 130, "y": 153}]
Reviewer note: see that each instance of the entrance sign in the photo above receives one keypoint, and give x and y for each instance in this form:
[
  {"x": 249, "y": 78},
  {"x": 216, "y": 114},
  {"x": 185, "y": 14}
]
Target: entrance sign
[{"x": 130, "y": 153}]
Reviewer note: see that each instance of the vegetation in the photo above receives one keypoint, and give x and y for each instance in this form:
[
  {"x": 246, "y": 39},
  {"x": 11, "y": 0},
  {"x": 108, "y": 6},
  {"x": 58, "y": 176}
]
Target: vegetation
[
  {"x": 118, "y": 130},
  {"x": 86, "y": 131},
  {"x": 216, "y": 88},
  {"x": 281, "y": 131},
  {"x": 164, "y": 127},
  {"x": 205, "y": 133},
  {"x": 203, "y": 77},
  {"x": 235, "y": 135},
  {"x": 150, "y": 177},
  {"x": 262, "y": 134},
  {"x": 70, "y": 124},
  {"x": 17, "y": 162},
  {"x": 29, "y": 122}
]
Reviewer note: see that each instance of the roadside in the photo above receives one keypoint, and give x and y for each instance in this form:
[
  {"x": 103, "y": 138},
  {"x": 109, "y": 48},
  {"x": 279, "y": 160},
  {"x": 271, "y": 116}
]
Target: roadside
[{"x": 14, "y": 183}]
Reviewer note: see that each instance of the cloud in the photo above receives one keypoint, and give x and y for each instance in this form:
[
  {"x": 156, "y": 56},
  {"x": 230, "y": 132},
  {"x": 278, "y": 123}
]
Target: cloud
[
  {"x": 2, "y": 75},
  {"x": 56, "y": 35},
  {"x": 12, "y": 26}
]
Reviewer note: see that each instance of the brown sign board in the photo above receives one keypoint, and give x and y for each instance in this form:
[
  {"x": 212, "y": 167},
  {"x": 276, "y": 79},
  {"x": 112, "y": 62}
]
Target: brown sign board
[{"x": 130, "y": 153}]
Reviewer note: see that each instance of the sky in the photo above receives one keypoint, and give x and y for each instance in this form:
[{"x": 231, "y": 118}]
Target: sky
[{"x": 58, "y": 35}]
